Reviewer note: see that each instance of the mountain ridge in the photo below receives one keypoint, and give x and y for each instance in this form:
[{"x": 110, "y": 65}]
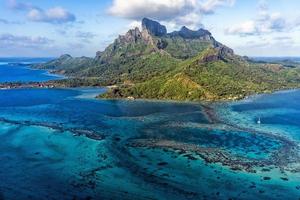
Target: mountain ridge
[{"x": 181, "y": 65}]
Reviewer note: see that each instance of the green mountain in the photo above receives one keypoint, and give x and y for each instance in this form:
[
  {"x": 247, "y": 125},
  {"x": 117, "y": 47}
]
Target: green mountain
[{"x": 182, "y": 65}]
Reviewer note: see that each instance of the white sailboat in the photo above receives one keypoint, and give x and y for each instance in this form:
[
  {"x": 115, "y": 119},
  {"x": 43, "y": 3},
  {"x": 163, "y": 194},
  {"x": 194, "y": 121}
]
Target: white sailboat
[{"x": 259, "y": 121}]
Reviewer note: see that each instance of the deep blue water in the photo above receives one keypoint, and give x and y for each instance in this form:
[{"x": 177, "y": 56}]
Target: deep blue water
[
  {"x": 18, "y": 70},
  {"x": 279, "y": 112},
  {"x": 64, "y": 144},
  {"x": 282, "y": 101}
]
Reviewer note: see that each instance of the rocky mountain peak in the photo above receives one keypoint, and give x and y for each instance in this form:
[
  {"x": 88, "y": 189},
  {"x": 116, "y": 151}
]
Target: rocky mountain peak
[
  {"x": 219, "y": 53},
  {"x": 65, "y": 57},
  {"x": 154, "y": 27},
  {"x": 190, "y": 34},
  {"x": 135, "y": 36}
]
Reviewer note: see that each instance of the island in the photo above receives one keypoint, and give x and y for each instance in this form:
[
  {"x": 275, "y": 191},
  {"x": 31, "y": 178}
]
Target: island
[{"x": 183, "y": 65}]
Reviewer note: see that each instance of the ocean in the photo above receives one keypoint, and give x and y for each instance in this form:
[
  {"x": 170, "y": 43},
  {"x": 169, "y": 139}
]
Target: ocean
[
  {"x": 18, "y": 70},
  {"x": 65, "y": 144}
]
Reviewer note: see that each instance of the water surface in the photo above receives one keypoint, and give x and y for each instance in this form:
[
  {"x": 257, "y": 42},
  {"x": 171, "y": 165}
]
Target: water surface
[
  {"x": 64, "y": 144},
  {"x": 18, "y": 70}
]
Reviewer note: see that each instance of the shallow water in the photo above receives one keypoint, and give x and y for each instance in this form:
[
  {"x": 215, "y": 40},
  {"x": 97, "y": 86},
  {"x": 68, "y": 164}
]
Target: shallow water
[
  {"x": 64, "y": 144},
  {"x": 144, "y": 150},
  {"x": 279, "y": 112}
]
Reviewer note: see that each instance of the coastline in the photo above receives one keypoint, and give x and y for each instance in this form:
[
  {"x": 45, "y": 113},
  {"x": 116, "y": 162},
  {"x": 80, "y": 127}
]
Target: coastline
[
  {"x": 61, "y": 85},
  {"x": 189, "y": 153},
  {"x": 83, "y": 83}
]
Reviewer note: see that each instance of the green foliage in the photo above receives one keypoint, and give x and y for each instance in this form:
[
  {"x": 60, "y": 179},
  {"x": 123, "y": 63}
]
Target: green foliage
[
  {"x": 182, "y": 48},
  {"x": 231, "y": 78},
  {"x": 173, "y": 67}
]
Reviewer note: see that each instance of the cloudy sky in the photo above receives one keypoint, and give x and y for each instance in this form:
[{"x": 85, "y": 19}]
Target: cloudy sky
[{"x": 48, "y": 28}]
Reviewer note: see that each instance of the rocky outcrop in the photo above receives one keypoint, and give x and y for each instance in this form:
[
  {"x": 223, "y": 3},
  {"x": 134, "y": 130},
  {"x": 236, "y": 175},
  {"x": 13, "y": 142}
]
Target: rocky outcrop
[
  {"x": 65, "y": 57},
  {"x": 154, "y": 27},
  {"x": 209, "y": 58},
  {"x": 98, "y": 55},
  {"x": 132, "y": 36},
  {"x": 135, "y": 36},
  {"x": 133, "y": 44},
  {"x": 219, "y": 53},
  {"x": 224, "y": 51},
  {"x": 186, "y": 33}
]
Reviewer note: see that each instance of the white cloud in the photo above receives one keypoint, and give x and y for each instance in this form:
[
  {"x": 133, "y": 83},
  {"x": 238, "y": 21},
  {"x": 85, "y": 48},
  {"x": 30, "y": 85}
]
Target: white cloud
[
  {"x": 269, "y": 47},
  {"x": 265, "y": 22},
  {"x": 13, "y": 4},
  {"x": 159, "y": 9},
  {"x": 133, "y": 24},
  {"x": 297, "y": 22},
  {"x": 53, "y": 15},
  {"x": 209, "y": 6},
  {"x": 193, "y": 20},
  {"x": 245, "y": 28},
  {"x": 174, "y": 12},
  {"x": 23, "y": 41}
]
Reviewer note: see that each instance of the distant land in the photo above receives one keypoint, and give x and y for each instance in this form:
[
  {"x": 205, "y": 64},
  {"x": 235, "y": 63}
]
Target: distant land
[
  {"x": 182, "y": 65},
  {"x": 276, "y": 59}
]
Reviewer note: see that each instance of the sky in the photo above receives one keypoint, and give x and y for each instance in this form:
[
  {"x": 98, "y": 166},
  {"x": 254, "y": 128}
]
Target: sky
[{"x": 49, "y": 28}]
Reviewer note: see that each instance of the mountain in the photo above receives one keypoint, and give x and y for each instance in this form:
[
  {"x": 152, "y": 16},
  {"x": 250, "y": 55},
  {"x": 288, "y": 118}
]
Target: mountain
[{"x": 181, "y": 65}]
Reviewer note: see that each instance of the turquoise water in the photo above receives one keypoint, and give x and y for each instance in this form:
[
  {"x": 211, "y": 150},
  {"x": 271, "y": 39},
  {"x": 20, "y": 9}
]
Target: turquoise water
[
  {"x": 17, "y": 70},
  {"x": 64, "y": 144}
]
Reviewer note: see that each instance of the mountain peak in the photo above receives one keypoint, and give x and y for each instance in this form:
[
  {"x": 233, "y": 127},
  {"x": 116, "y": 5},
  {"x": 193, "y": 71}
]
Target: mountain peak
[
  {"x": 154, "y": 27},
  {"x": 65, "y": 56},
  {"x": 184, "y": 28},
  {"x": 191, "y": 34}
]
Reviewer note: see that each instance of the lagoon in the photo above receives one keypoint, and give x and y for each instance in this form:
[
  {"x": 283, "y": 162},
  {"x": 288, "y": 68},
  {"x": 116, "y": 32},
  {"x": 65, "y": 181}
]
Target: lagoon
[{"x": 64, "y": 144}]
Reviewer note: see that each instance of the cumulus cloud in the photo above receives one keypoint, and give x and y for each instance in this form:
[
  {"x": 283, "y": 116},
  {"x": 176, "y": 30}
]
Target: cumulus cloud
[
  {"x": 265, "y": 22},
  {"x": 13, "y": 4},
  {"x": 297, "y": 21},
  {"x": 176, "y": 12},
  {"x": 23, "y": 41},
  {"x": 159, "y": 9},
  {"x": 134, "y": 23},
  {"x": 55, "y": 15},
  {"x": 245, "y": 28},
  {"x": 269, "y": 46},
  {"x": 209, "y": 6}
]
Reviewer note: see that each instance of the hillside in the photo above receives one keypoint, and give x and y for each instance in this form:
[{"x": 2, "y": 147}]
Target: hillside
[{"x": 182, "y": 65}]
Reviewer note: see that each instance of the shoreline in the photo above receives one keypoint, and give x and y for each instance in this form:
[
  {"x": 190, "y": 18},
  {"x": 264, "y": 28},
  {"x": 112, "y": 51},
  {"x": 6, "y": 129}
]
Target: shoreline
[
  {"x": 91, "y": 134},
  {"x": 64, "y": 85},
  {"x": 282, "y": 157},
  {"x": 60, "y": 84},
  {"x": 53, "y": 84}
]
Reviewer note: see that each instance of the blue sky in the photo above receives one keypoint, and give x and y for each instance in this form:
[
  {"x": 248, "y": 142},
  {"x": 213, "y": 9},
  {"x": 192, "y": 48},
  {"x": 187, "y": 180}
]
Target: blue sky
[{"x": 47, "y": 28}]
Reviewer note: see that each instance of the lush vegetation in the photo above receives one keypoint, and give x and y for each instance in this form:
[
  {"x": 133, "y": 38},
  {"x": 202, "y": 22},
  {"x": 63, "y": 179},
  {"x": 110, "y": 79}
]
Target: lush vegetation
[
  {"x": 184, "y": 48},
  {"x": 227, "y": 78},
  {"x": 183, "y": 65}
]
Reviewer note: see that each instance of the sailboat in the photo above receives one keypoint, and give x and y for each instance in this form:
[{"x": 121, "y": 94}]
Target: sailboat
[{"x": 259, "y": 121}]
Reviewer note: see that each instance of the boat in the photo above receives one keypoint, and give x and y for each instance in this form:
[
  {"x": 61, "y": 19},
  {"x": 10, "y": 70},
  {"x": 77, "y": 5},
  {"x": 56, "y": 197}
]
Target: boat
[{"x": 259, "y": 121}]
